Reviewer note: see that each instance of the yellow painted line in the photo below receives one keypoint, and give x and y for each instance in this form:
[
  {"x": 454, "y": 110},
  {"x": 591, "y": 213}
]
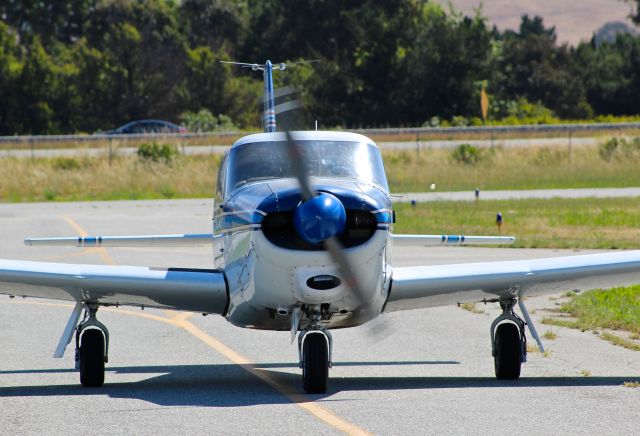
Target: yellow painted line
[
  {"x": 322, "y": 413},
  {"x": 102, "y": 252},
  {"x": 180, "y": 320}
]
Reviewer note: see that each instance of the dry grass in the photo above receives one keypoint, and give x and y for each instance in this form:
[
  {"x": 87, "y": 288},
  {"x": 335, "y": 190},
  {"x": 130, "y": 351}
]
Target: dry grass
[
  {"x": 631, "y": 384},
  {"x": 471, "y": 307},
  {"x": 550, "y": 334},
  {"x": 585, "y": 373},
  {"x": 509, "y": 168},
  {"x": 532, "y": 348},
  {"x": 63, "y": 179},
  {"x": 621, "y": 342}
]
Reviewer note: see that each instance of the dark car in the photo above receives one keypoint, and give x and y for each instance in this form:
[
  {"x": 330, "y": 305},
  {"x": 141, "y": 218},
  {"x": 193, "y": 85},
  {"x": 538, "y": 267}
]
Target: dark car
[{"x": 147, "y": 126}]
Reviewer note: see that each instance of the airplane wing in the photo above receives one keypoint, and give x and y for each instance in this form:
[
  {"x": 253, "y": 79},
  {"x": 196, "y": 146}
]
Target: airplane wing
[
  {"x": 428, "y": 286},
  {"x": 431, "y": 240},
  {"x": 183, "y": 240},
  {"x": 196, "y": 290}
]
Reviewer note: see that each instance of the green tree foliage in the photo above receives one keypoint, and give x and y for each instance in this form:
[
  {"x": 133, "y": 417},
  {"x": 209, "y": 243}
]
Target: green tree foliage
[
  {"x": 217, "y": 24},
  {"x": 611, "y": 74},
  {"x": 442, "y": 70},
  {"x": 71, "y": 66},
  {"x": 50, "y": 21},
  {"x": 10, "y": 69},
  {"x": 211, "y": 85},
  {"x": 533, "y": 66},
  {"x": 636, "y": 15}
]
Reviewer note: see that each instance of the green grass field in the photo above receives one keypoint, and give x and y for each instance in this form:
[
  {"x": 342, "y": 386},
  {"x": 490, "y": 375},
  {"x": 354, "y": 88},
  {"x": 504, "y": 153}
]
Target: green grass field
[
  {"x": 616, "y": 310},
  {"x": 555, "y": 223},
  {"x": 510, "y": 168}
]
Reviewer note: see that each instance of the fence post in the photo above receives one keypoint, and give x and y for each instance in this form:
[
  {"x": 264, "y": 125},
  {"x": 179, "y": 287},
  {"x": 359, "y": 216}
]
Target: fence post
[
  {"x": 570, "y": 138},
  {"x": 110, "y": 150}
]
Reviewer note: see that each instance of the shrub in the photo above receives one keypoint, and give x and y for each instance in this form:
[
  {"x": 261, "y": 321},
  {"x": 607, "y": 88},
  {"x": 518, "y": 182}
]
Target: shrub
[
  {"x": 619, "y": 146},
  {"x": 205, "y": 121},
  {"x": 156, "y": 153},
  {"x": 65, "y": 163},
  {"x": 608, "y": 149},
  {"x": 466, "y": 154}
]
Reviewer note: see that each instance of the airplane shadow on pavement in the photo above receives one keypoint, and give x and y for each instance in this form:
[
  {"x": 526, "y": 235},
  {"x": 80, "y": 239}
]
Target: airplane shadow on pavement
[{"x": 230, "y": 385}]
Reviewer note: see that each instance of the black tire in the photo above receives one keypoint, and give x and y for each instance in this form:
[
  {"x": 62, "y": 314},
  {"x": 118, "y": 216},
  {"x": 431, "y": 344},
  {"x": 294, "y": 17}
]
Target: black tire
[
  {"x": 92, "y": 358},
  {"x": 507, "y": 358},
  {"x": 315, "y": 364}
]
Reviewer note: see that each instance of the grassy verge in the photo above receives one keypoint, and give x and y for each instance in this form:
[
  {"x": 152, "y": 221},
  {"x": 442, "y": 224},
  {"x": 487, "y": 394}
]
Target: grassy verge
[
  {"x": 556, "y": 223},
  {"x": 126, "y": 178},
  {"x": 614, "y": 310},
  {"x": 83, "y": 178},
  {"x": 509, "y": 168}
]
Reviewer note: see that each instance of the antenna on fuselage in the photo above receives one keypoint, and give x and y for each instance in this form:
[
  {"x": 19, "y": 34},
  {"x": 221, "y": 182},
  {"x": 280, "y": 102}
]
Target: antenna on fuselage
[{"x": 269, "y": 113}]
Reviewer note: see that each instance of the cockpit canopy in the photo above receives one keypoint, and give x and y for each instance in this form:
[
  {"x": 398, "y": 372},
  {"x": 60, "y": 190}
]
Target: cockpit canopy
[{"x": 344, "y": 160}]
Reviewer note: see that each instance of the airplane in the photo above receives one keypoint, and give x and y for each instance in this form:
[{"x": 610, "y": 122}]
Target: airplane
[{"x": 303, "y": 242}]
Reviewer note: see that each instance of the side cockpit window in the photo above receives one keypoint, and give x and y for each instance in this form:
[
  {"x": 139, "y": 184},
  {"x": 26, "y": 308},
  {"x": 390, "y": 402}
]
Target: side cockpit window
[{"x": 220, "y": 183}]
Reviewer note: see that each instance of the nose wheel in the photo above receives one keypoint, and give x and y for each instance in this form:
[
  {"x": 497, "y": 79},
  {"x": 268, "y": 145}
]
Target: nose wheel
[{"x": 314, "y": 348}]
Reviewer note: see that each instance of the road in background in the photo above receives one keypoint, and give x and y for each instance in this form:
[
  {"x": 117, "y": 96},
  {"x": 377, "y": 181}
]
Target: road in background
[
  {"x": 429, "y": 371},
  {"x": 219, "y": 149}
]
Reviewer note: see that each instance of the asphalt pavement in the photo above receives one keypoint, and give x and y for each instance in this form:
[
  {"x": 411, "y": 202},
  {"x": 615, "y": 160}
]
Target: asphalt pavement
[{"x": 427, "y": 372}]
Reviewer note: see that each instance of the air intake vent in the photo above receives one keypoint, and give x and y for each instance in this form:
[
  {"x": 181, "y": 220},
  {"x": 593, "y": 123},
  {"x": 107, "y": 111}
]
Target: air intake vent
[
  {"x": 278, "y": 228},
  {"x": 323, "y": 282}
]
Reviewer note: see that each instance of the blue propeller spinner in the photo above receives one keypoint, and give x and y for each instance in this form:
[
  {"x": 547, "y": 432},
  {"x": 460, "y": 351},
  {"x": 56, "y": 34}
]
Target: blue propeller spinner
[{"x": 320, "y": 218}]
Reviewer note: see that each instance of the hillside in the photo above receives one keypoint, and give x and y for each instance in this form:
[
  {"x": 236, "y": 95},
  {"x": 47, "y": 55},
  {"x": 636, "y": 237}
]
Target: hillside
[{"x": 575, "y": 20}]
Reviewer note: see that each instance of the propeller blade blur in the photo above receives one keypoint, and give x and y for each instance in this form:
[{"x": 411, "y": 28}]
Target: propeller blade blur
[{"x": 296, "y": 154}]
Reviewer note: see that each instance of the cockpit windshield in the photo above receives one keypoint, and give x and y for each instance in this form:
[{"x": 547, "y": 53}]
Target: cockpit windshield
[{"x": 345, "y": 160}]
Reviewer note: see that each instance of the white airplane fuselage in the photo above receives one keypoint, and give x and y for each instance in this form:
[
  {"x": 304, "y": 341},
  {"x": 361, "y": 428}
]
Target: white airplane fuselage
[{"x": 270, "y": 271}]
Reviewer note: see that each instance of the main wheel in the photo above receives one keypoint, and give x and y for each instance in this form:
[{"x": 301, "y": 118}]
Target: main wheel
[
  {"x": 315, "y": 363},
  {"x": 92, "y": 358},
  {"x": 507, "y": 358}
]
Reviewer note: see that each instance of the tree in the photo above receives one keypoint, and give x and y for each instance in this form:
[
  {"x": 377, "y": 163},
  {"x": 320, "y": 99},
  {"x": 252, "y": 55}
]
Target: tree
[
  {"x": 59, "y": 20},
  {"x": 210, "y": 85},
  {"x": 217, "y": 24},
  {"x": 10, "y": 67},
  {"x": 635, "y": 16},
  {"x": 535, "y": 68},
  {"x": 442, "y": 70},
  {"x": 611, "y": 73},
  {"x": 146, "y": 55}
]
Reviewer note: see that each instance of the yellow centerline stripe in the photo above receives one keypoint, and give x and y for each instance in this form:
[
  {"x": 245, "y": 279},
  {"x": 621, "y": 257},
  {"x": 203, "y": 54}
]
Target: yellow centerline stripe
[
  {"x": 181, "y": 320},
  {"x": 102, "y": 252}
]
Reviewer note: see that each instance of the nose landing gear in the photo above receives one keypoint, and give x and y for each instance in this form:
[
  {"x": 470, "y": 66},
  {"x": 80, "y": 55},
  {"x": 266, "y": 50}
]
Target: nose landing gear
[{"x": 315, "y": 346}]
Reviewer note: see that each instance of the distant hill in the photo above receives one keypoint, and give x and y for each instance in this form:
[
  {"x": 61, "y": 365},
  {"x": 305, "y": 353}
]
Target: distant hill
[{"x": 575, "y": 20}]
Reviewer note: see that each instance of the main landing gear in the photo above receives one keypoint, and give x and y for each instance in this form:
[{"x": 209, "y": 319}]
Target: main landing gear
[
  {"x": 92, "y": 347},
  {"x": 314, "y": 350},
  {"x": 508, "y": 341}
]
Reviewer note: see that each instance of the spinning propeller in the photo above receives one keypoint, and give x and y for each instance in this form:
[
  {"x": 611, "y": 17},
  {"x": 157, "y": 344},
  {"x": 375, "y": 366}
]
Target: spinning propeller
[{"x": 321, "y": 218}]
